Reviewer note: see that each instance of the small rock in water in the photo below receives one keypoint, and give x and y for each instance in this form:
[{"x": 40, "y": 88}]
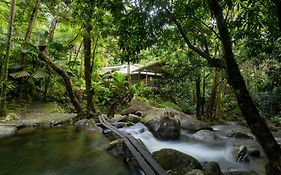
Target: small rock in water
[
  {"x": 243, "y": 155},
  {"x": 141, "y": 130},
  {"x": 138, "y": 113},
  {"x": 240, "y": 135},
  {"x": 120, "y": 124}
]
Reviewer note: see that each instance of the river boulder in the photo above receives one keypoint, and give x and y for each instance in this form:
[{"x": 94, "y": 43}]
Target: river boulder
[
  {"x": 164, "y": 126},
  {"x": 7, "y": 131},
  {"x": 88, "y": 124},
  {"x": 240, "y": 154},
  {"x": 129, "y": 110},
  {"x": 205, "y": 135},
  {"x": 212, "y": 168},
  {"x": 187, "y": 122},
  {"x": 139, "y": 105},
  {"x": 119, "y": 149},
  {"x": 175, "y": 161}
]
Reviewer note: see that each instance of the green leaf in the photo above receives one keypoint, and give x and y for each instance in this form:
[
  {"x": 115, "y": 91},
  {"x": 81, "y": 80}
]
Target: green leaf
[
  {"x": 40, "y": 74},
  {"x": 20, "y": 74}
]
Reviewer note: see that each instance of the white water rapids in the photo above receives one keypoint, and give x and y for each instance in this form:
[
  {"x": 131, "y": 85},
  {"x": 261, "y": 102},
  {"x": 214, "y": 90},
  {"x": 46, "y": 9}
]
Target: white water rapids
[{"x": 201, "y": 151}]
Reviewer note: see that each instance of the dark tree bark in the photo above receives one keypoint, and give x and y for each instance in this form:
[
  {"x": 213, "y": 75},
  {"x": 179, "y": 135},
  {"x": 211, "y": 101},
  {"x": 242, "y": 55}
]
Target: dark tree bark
[
  {"x": 278, "y": 11},
  {"x": 213, "y": 96},
  {"x": 87, "y": 41},
  {"x": 5, "y": 65},
  {"x": 47, "y": 81},
  {"x": 250, "y": 112},
  {"x": 213, "y": 62},
  {"x": 198, "y": 97},
  {"x": 112, "y": 108}
]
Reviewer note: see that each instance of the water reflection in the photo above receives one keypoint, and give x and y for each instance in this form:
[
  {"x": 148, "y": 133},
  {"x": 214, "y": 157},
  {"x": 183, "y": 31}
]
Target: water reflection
[{"x": 57, "y": 151}]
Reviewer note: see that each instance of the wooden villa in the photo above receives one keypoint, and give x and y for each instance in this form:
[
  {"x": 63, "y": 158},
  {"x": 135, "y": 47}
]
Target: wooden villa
[{"x": 146, "y": 74}]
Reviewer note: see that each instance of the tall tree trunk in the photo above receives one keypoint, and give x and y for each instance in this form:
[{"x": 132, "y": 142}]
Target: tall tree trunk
[
  {"x": 88, "y": 68},
  {"x": 250, "y": 112},
  {"x": 203, "y": 101},
  {"x": 198, "y": 96},
  {"x": 5, "y": 65},
  {"x": 278, "y": 11},
  {"x": 47, "y": 81},
  {"x": 213, "y": 96},
  {"x": 29, "y": 30}
]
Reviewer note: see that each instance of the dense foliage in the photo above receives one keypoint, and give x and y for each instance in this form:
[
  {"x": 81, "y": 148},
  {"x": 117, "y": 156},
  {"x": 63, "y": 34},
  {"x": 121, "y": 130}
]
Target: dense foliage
[{"x": 182, "y": 35}]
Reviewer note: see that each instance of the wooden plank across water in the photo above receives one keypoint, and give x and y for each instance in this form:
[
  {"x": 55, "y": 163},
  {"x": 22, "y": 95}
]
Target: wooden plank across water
[{"x": 145, "y": 161}]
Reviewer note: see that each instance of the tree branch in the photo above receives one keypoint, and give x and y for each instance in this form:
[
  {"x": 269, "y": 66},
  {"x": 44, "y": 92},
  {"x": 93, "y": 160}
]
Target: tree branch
[{"x": 213, "y": 62}]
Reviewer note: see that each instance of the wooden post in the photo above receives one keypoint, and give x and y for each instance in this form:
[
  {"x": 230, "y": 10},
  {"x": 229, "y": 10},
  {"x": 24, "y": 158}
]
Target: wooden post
[{"x": 146, "y": 77}]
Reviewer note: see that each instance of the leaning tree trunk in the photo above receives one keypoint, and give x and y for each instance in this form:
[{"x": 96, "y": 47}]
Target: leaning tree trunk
[
  {"x": 5, "y": 65},
  {"x": 249, "y": 110},
  {"x": 44, "y": 57},
  {"x": 29, "y": 30},
  {"x": 88, "y": 68}
]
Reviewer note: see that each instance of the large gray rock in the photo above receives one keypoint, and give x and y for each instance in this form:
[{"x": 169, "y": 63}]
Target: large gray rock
[
  {"x": 88, "y": 124},
  {"x": 129, "y": 110},
  {"x": 165, "y": 126},
  {"x": 119, "y": 149},
  {"x": 212, "y": 168},
  {"x": 116, "y": 118},
  {"x": 176, "y": 161},
  {"x": 133, "y": 118},
  {"x": 192, "y": 124},
  {"x": 139, "y": 105},
  {"x": 187, "y": 122},
  {"x": 205, "y": 135},
  {"x": 7, "y": 131}
]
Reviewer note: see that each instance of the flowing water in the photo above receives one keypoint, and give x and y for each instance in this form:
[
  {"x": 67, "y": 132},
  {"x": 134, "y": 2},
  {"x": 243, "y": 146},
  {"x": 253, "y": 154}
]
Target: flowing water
[
  {"x": 58, "y": 151},
  {"x": 219, "y": 152}
]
